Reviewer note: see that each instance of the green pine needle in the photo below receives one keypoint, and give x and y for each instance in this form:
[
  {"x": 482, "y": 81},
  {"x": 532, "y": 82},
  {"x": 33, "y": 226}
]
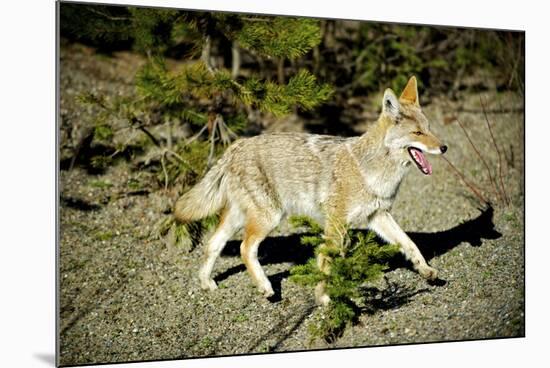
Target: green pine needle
[{"x": 280, "y": 37}]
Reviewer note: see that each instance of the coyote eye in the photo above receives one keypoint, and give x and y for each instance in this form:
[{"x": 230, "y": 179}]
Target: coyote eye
[{"x": 417, "y": 132}]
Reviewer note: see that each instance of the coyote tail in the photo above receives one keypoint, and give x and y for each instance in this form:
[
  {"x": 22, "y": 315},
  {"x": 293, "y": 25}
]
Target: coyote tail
[{"x": 205, "y": 198}]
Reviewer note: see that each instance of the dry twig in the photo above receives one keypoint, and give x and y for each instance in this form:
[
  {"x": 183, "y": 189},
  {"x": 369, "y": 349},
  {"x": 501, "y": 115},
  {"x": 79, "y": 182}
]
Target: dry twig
[
  {"x": 497, "y": 149},
  {"x": 497, "y": 192},
  {"x": 471, "y": 186}
]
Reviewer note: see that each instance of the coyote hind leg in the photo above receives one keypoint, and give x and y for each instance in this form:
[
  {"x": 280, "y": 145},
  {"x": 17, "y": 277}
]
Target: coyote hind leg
[
  {"x": 258, "y": 226},
  {"x": 231, "y": 221}
]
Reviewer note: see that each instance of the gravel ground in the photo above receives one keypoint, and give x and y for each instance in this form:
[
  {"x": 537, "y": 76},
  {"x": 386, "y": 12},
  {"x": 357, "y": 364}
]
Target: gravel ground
[{"x": 125, "y": 296}]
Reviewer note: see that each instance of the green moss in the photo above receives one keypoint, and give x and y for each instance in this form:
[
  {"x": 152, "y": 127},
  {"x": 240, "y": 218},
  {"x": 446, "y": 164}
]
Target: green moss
[
  {"x": 101, "y": 184},
  {"x": 240, "y": 318},
  {"x": 206, "y": 342},
  {"x": 103, "y": 235},
  {"x": 103, "y": 132},
  {"x": 134, "y": 184},
  {"x": 509, "y": 216},
  {"x": 101, "y": 162}
]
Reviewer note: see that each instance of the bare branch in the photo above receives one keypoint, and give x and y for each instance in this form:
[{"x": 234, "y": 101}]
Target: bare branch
[
  {"x": 471, "y": 186},
  {"x": 197, "y": 135},
  {"x": 141, "y": 126},
  {"x": 497, "y": 193},
  {"x": 110, "y": 17},
  {"x": 497, "y": 149}
]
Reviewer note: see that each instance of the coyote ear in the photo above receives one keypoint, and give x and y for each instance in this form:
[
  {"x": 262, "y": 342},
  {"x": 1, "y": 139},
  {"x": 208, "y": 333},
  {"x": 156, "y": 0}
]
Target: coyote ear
[
  {"x": 410, "y": 93},
  {"x": 390, "y": 105}
]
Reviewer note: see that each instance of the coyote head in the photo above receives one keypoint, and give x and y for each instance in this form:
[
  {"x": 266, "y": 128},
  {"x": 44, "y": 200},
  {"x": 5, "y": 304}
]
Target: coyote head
[{"x": 408, "y": 136}]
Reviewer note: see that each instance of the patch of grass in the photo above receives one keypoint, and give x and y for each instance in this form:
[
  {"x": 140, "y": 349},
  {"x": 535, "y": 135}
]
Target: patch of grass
[
  {"x": 103, "y": 235},
  {"x": 265, "y": 348},
  {"x": 103, "y": 132},
  {"x": 240, "y": 318},
  {"x": 134, "y": 184},
  {"x": 75, "y": 265},
  {"x": 100, "y": 162},
  {"x": 206, "y": 343},
  {"x": 101, "y": 184},
  {"x": 509, "y": 216}
]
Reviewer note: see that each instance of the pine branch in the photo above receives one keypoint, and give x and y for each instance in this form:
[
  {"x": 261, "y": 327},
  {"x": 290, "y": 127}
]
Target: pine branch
[
  {"x": 280, "y": 37},
  {"x": 302, "y": 90}
]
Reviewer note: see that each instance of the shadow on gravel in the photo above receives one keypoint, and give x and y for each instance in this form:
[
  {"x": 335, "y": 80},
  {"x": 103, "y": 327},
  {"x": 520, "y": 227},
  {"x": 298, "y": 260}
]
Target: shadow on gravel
[
  {"x": 273, "y": 250},
  {"x": 472, "y": 231},
  {"x": 435, "y": 244},
  {"x": 280, "y": 331},
  {"x": 392, "y": 297},
  {"x": 288, "y": 248},
  {"x": 79, "y": 204}
]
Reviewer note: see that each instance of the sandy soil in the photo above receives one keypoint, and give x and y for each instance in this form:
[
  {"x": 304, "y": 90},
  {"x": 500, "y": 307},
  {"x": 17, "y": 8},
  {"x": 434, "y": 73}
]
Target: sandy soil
[{"x": 126, "y": 296}]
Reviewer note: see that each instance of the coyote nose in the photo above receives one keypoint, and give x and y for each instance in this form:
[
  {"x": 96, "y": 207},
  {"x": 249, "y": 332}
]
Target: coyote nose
[{"x": 443, "y": 149}]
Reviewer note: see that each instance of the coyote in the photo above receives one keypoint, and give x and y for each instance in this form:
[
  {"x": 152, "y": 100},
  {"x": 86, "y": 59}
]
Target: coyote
[{"x": 336, "y": 181}]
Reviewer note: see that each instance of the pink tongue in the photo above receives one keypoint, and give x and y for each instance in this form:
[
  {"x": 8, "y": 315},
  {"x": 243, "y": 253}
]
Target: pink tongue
[{"x": 421, "y": 160}]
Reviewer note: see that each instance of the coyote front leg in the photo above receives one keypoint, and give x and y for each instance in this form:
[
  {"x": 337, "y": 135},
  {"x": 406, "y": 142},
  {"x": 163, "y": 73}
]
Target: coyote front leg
[{"x": 384, "y": 225}]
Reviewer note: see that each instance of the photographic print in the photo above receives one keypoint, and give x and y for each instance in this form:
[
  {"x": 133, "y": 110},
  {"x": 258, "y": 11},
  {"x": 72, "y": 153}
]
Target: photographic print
[{"x": 238, "y": 183}]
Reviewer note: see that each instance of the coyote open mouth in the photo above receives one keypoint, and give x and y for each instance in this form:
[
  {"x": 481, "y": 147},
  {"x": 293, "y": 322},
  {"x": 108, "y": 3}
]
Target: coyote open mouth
[{"x": 420, "y": 160}]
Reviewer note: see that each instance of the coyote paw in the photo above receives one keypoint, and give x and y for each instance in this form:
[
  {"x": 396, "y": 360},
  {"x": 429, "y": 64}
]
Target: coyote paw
[
  {"x": 268, "y": 293},
  {"x": 209, "y": 284},
  {"x": 321, "y": 297},
  {"x": 267, "y": 290},
  {"x": 428, "y": 273}
]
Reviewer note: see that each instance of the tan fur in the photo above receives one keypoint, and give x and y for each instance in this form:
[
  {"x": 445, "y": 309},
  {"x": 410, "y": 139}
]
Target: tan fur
[{"x": 337, "y": 181}]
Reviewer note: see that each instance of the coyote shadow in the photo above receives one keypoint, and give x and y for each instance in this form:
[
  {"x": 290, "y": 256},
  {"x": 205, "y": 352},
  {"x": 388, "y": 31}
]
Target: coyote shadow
[
  {"x": 472, "y": 231},
  {"x": 391, "y": 297},
  {"x": 280, "y": 249},
  {"x": 273, "y": 250}
]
